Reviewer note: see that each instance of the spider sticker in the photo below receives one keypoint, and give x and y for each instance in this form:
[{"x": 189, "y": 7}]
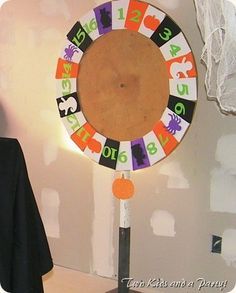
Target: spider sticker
[
  {"x": 174, "y": 124},
  {"x": 70, "y": 51}
]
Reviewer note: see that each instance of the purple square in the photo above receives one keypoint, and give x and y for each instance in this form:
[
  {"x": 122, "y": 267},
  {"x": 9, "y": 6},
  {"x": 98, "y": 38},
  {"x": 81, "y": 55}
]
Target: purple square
[
  {"x": 139, "y": 154},
  {"x": 104, "y": 18}
]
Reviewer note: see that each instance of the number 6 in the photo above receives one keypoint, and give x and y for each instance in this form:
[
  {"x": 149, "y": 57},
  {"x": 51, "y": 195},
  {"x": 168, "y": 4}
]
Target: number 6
[{"x": 180, "y": 109}]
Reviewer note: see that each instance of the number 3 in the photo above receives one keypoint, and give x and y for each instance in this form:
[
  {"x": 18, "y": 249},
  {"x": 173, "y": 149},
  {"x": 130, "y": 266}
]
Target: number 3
[{"x": 166, "y": 35}]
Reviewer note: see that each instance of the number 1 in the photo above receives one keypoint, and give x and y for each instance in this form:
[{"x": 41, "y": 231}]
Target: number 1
[{"x": 121, "y": 14}]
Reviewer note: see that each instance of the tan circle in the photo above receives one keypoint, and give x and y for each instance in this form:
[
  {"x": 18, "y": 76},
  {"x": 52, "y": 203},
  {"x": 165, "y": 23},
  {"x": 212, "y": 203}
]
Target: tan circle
[{"x": 123, "y": 85}]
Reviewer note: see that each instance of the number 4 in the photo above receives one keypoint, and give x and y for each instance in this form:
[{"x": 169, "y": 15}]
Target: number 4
[{"x": 174, "y": 50}]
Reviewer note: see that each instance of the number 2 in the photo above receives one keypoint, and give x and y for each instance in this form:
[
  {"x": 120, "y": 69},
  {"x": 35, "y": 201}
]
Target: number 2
[{"x": 136, "y": 18}]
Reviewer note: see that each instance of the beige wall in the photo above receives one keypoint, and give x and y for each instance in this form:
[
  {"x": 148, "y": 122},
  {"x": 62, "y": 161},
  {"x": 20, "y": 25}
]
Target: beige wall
[{"x": 179, "y": 203}]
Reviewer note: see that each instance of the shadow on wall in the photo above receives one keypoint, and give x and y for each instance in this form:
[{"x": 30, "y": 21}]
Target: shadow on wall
[{"x": 3, "y": 121}]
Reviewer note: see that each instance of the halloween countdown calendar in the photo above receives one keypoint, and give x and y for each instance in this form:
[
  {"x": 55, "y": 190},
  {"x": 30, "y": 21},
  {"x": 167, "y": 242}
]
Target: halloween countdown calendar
[{"x": 129, "y": 105}]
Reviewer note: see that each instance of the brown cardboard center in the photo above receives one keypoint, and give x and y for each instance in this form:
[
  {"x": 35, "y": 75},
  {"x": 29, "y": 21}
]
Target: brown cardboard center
[{"x": 123, "y": 85}]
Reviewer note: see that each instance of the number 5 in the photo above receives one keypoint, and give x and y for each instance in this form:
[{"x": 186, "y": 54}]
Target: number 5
[{"x": 183, "y": 90}]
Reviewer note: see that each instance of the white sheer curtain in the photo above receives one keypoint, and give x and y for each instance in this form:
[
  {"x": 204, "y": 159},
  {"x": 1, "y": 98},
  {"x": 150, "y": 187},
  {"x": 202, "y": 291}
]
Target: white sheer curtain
[{"x": 217, "y": 23}]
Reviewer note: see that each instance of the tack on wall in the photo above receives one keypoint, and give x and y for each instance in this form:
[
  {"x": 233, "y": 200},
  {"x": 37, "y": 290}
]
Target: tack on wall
[{"x": 177, "y": 207}]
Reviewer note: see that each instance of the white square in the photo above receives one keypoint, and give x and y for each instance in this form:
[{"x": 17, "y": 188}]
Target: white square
[
  {"x": 89, "y": 24},
  {"x": 71, "y": 53},
  {"x": 124, "y": 161},
  {"x": 185, "y": 88},
  {"x": 154, "y": 149},
  {"x": 94, "y": 155},
  {"x": 174, "y": 124},
  {"x": 74, "y": 122},
  {"x": 119, "y": 13},
  {"x": 181, "y": 49},
  {"x": 66, "y": 86},
  {"x": 151, "y": 16}
]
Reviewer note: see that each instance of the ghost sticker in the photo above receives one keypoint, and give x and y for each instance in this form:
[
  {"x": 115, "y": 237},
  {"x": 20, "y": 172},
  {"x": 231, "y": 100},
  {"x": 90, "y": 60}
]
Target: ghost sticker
[
  {"x": 180, "y": 67},
  {"x": 68, "y": 105}
]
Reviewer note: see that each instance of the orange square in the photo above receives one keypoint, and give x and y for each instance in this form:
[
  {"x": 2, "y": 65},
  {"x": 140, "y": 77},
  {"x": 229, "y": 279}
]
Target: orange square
[
  {"x": 182, "y": 67},
  {"x": 83, "y": 136},
  {"x": 66, "y": 69},
  {"x": 167, "y": 140},
  {"x": 135, "y": 14}
]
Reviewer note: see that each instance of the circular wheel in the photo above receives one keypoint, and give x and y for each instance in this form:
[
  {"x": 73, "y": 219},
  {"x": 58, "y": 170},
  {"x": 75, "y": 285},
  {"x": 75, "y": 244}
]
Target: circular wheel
[{"x": 127, "y": 84}]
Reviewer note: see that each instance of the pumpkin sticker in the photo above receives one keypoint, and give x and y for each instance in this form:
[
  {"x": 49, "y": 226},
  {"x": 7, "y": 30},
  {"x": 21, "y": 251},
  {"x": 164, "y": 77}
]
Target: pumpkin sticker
[{"x": 123, "y": 188}]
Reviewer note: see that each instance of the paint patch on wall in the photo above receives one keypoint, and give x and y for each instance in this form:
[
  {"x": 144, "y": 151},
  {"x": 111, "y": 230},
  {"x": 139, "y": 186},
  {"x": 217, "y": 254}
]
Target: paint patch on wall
[
  {"x": 223, "y": 187},
  {"x": 176, "y": 178},
  {"x": 55, "y": 7},
  {"x": 163, "y": 223},
  {"x": 50, "y": 212},
  {"x": 223, "y": 178},
  {"x": 225, "y": 152},
  {"x": 2, "y": 2},
  {"x": 229, "y": 247},
  {"x": 102, "y": 238},
  {"x": 50, "y": 151}
]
